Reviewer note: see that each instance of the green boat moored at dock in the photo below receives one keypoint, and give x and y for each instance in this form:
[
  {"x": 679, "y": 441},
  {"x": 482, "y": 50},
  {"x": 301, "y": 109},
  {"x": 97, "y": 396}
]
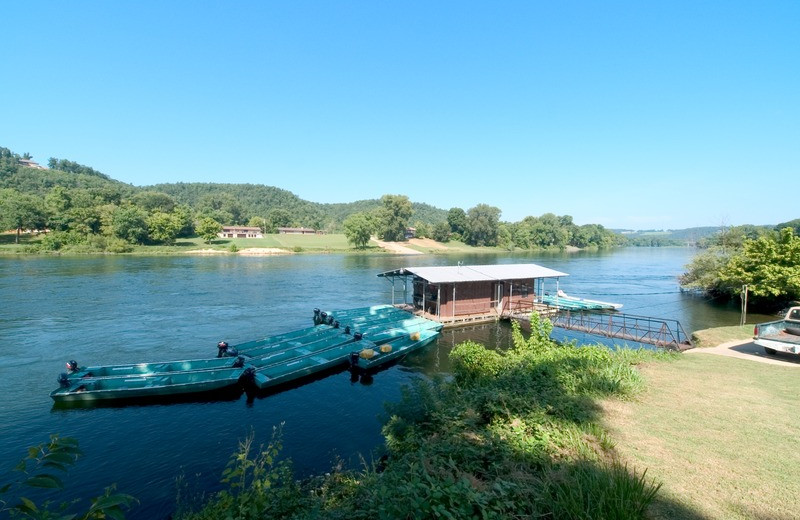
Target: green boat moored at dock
[{"x": 337, "y": 339}]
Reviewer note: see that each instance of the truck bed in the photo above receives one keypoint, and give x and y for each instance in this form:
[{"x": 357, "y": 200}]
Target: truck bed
[
  {"x": 782, "y": 336},
  {"x": 785, "y": 331}
]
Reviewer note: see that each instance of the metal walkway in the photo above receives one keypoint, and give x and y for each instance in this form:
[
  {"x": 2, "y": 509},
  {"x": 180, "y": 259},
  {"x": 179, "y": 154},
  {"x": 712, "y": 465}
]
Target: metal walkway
[{"x": 642, "y": 329}]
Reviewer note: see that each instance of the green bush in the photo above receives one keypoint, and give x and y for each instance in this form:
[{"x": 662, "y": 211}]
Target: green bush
[
  {"x": 474, "y": 363},
  {"x": 514, "y": 434},
  {"x": 117, "y": 245},
  {"x": 259, "y": 485}
]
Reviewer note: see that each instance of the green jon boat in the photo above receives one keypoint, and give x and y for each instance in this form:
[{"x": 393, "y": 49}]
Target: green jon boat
[
  {"x": 286, "y": 336},
  {"x": 180, "y": 383},
  {"x": 306, "y": 364},
  {"x": 76, "y": 373},
  {"x": 370, "y": 358}
]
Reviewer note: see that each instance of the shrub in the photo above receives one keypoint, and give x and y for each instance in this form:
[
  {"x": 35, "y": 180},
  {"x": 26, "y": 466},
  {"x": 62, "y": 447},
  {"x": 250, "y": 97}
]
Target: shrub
[{"x": 474, "y": 363}]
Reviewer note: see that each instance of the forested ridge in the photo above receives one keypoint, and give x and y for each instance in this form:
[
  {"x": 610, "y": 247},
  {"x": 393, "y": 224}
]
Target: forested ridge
[{"x": 77, "y": 204}]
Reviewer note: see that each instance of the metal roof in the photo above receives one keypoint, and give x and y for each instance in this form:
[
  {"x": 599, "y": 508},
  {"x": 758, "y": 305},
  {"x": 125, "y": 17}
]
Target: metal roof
[{"x": 477, "y": 273}]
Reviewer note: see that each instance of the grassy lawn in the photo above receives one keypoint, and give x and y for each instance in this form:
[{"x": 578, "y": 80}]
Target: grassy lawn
[
  {"x": 719, "y": 433},
  {"x": 289, "y": 242},
  {"x": 295, "y": 243},
  {"x": 720, "y": 335},
  {"x": 452, "y": 246}
]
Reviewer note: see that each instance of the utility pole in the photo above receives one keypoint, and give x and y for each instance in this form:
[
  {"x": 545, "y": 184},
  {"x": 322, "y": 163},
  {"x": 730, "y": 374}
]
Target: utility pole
[{"x": 743, "y": 319}]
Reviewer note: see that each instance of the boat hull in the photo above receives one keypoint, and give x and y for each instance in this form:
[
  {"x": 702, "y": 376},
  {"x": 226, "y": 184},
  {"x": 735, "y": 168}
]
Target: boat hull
[{"x": 98, "y": 389}]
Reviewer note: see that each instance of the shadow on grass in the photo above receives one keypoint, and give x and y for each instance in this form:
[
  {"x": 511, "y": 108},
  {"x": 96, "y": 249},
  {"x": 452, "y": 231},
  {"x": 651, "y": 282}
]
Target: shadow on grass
[{"x": 11, "y": 239}]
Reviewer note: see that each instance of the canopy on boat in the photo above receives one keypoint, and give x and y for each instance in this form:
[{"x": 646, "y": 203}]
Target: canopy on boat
[{"x": 476, "y": 273}]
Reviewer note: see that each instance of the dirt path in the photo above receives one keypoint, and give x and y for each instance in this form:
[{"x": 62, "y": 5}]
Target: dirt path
[
  {"x": 398, "y": 249},
  {"x": 426, "y": 242},
  {"x": 746, "y": 349}
]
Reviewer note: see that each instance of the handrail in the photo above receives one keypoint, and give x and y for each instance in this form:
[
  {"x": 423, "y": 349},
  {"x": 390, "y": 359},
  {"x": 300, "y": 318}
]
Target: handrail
[{"x": 642, "y": 329}]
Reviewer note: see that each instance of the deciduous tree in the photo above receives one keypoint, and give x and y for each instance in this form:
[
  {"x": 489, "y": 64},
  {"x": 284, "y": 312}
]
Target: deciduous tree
[
  {"x": 20, "y": 211},
  {"x": 208, "y": 229},
  {"x": 769, "y": 266},
  {"x": 163, "y": 227},
  {"x": 482, "y": 225},
  {"x": 357, "y": 228},
  {"x": 457, "y": 219},
  {"x": 441, "y": 232},
  {"x": 130, "y": 224},
  {"x": 394, "y": 217}
]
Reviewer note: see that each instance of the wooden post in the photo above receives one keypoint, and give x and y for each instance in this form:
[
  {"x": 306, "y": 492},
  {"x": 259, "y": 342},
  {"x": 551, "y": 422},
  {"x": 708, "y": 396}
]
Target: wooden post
[{"x": 424, "y": 289}]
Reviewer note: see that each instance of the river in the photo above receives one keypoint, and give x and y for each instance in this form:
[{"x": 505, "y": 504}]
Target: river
[{"x": 117, "y": 309}]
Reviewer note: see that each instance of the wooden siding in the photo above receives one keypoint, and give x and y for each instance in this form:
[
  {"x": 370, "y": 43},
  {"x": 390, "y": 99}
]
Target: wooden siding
[{"x": 471, "y": 297}]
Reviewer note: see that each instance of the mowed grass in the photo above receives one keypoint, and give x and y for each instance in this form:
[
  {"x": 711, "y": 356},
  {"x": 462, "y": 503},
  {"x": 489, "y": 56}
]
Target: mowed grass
[
  {"x": 719, "y": 335},
  {"x": 720, "y": 433},
  {"x": 451, "y": 246},
  {"x": 293, "y": 243},
  {"x": 332, "y": 242}
]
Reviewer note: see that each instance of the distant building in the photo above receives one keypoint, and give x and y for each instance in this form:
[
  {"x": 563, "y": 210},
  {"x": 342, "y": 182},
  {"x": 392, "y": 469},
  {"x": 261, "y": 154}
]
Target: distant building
[
  {"x": 297, "y": 231},
  {"x": 240, "y": 232},
  {"x": 29, "y": 163},
  {"x": 411, "y": 232}
]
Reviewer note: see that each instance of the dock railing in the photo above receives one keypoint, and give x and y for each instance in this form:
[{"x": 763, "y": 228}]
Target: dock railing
[
  {"x": 661, "y": 332},
  {"x": 641, "y": 329}
]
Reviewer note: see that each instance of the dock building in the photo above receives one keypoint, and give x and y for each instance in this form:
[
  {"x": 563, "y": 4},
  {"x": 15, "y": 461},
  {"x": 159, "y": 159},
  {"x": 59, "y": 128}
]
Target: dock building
[{"x": 461, "y": 294}]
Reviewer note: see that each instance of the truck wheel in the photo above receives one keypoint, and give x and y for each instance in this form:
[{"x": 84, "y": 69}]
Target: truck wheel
[{"x": 770, "y": 351}]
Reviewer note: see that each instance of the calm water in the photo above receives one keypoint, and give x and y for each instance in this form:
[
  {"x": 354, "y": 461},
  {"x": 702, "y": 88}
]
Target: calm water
[{"x": 109, "y": 310}]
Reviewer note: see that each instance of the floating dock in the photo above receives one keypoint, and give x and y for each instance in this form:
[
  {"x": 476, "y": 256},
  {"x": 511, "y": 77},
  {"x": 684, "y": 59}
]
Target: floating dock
[{"x": 562, "y": 301}]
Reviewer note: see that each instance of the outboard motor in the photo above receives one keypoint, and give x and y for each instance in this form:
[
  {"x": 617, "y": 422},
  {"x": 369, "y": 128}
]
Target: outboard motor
[
  {"x": 239, "y": 362},
  {"x": 63, "y": 379},
  {"x": 231, "y": 352},
  {"x": 316, "y": 316},
  {"x": 72, "y": 365},
  {"x": 329, "y": 321},
  {"x": 248, "y": 376},
  {"x": 357, "y": 336},
  {"x": 354, "y": 359},
  {"x": 323, "y": 317},
  {"x": 335, "y": 324},
  {"x": 347, "y": 329},
  {"x": 223, "y": 348}
]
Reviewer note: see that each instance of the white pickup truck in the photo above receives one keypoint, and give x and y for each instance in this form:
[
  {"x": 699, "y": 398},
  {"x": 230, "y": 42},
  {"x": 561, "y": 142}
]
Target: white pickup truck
[{"x": 781, "y": 335}]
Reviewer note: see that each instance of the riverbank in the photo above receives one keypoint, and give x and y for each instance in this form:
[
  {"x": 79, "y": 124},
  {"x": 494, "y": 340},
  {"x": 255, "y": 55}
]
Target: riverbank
[
  {"x": 452, "y": 449},
  {"x": 269, "y": 245},
  {"x": 515, "y": 433}
]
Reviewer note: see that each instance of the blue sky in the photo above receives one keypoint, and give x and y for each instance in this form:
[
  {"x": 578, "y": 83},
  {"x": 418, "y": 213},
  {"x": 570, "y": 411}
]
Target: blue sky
[{"x": 631, "y": 114}]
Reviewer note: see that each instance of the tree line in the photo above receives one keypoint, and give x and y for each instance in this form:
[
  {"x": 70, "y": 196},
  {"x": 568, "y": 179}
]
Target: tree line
[
  {"x": 477, "y": 226},
  {"x": 80, "y": 206}
]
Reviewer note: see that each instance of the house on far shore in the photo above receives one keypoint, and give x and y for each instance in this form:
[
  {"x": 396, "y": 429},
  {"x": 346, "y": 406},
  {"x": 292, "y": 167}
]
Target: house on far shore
[
  {"x": 298, "y": 231},
  {"x": 30, "y": 163},
  {"x": 240, "y": 232},
  {"x": 411, "y": 232}
]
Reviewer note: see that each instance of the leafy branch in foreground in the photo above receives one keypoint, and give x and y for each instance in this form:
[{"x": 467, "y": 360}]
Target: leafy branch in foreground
[{"x": 41, "y": 469}]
